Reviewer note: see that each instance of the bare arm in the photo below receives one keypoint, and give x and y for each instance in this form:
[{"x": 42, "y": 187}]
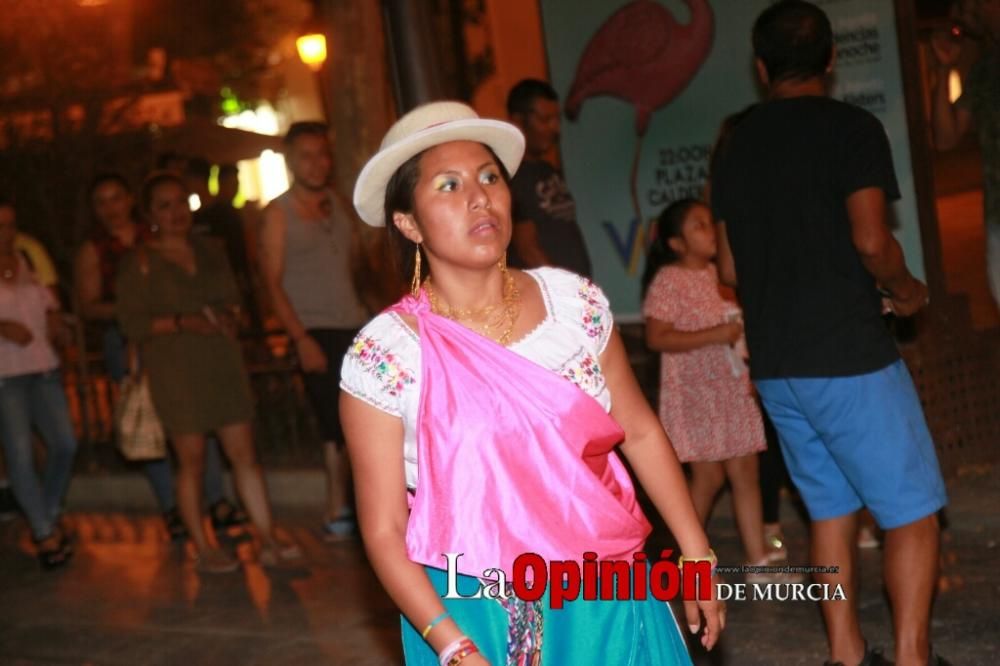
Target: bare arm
[
  {"x": 87, "y": 271},
  {"x": 880, "y": 251},
  {"x": 375, "y": 446},
  {"x": 272, "y": 262},
  {"x": 526, "y": 244},
  {"x": 655, "y": 464},
  {"x": 661, "y": 336},
  {"x": 724, "y": 256}
]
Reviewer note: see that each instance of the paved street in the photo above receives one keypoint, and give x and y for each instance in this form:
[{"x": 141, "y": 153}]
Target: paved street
[{"x": 131, "y": 597}]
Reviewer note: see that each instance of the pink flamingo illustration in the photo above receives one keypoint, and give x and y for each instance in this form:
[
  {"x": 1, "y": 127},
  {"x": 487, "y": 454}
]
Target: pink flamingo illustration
[{"x": 642, "y": 55}]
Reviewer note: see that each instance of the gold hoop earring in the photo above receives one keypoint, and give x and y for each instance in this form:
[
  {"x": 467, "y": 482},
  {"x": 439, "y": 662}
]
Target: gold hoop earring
[{"x": 415, "y": 283}]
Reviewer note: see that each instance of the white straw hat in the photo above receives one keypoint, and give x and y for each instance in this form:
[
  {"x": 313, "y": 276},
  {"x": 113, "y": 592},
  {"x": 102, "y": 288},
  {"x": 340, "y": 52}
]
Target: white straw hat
[{"x": 422, "y": 128}]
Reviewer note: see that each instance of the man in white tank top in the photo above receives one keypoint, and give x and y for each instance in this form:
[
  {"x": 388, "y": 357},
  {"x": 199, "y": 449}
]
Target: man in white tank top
[{"x": 305, "y": 250}]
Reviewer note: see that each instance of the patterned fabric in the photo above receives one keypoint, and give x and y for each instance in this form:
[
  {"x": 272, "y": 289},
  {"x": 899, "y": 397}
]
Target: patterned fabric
[
  {"x": 110, "y": 251},
  {"x": 524, "y": 630},
  {"x": 378, "y": 361},
  {"x": 569, "y": 342},
  {"x": 709, "y": 413}
]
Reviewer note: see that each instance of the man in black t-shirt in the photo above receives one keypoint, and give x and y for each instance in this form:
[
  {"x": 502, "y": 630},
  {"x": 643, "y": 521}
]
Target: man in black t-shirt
[
  {"x": 545, "y": 229},
  {"x": 800, "y": 192}
]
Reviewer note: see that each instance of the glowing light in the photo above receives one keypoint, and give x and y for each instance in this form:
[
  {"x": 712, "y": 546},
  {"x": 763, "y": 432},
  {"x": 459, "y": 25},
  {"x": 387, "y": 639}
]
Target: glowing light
[
  {"x": 954, "y": 85},
  {"x": 273, "y": 175},
  {"x": 194, "y": 202},
  {"x": 312, "y": 50},
  {"x": 262, "y": 120}
]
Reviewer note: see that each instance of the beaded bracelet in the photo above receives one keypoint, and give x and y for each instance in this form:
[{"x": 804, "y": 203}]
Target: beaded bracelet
[
  {"x": 456, "y": 651},
  {"x": 433, "y": 623}
]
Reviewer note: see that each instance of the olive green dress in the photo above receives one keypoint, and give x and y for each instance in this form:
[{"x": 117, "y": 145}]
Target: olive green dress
[{"x": 198, "y": 382}]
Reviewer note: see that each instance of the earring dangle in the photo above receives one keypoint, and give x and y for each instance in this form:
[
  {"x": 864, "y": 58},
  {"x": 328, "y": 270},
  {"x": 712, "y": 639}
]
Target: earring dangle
[{"x": 415, "y": 283}]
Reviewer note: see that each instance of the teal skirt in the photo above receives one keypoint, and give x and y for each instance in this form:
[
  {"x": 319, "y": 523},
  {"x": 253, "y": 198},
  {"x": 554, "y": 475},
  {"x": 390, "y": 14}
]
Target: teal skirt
[{"x": 625, "y": 633}]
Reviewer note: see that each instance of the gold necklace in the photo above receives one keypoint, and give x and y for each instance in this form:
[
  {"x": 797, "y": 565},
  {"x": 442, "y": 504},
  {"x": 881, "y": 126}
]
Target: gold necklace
[{"x": 508, "y": 313}]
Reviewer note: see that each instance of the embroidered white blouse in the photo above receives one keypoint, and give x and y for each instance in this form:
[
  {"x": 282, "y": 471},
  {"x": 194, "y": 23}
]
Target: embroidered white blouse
[{"x": 382, "y": 367}]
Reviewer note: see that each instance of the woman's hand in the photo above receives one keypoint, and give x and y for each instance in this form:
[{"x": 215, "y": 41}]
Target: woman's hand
[
  {"x": 311, "y": 356},
  {"x": 476, "y": 659},
  {"x": 16, "y": 332},
  {"x": 729, "y": 333},
  {"x": 197, "y": 323},
  {"x": 714, "y": 613}
]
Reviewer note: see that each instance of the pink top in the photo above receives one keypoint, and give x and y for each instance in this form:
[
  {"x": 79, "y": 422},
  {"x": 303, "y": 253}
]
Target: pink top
[
  {"x": 26, "y": 301},
  {"x": 707, "y": 404}
]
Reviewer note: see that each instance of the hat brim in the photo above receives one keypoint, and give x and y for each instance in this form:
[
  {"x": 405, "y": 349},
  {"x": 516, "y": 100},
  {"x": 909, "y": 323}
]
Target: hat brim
[{"x": 369, "y": 191}]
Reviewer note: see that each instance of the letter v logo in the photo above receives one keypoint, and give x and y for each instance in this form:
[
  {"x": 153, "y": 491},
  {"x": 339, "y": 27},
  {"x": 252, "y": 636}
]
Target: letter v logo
[{"x": 629, "y": 249}]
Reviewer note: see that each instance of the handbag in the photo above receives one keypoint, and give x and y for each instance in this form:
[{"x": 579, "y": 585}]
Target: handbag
[{"x": 139, "y": 430}]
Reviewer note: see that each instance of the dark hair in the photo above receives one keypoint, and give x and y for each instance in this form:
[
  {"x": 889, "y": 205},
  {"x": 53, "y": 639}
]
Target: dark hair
[
  {"x": 305, "y": 128},
  {"x": 670, "y": 224},
  {"x": 524, "y": 93},
  {"x": 794, "y": 40},
  {"x": 107, "y": 177},
  {"x": 164, "y": 159},
  {"x": 399, "y": 197},
  {"x": 228, "y": 170},
  {"x": 7, "y": 201},
  {"x": 198, "y": 167},
  {"x": 155, "y": 180}
]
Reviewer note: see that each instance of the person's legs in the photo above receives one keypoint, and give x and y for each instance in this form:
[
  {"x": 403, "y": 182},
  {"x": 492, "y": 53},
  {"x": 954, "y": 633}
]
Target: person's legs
[
  {"x": 832, "y": 504},
  {"x": 910, "y": 567},
  {"x": 707, "y": 479},
  {"x": 15, "y": 435},
  {"x": 873, "y": 427},
  {"x": 214, "y": 489},
  {"x": 323, "y": 390},
  {"x": 50, "y": 415},
  {"x": 833, "y": 544},
  {"x": 161, "y": 480},
  {"x": 237, "y": 441},
  {"x": 190, "y": 450},
  {"x": 745, "y": 486}
]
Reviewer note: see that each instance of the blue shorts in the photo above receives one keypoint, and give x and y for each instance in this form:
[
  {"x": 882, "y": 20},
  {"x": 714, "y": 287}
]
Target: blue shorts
[{"x": 857, "y": 441}]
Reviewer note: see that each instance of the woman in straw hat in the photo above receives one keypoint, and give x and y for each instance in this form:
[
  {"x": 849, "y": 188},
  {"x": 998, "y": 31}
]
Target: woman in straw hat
[{"x": 481, "y": 413}]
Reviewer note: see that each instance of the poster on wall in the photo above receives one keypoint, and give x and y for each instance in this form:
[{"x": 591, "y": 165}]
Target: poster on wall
[{"x": 645, "y": 86}]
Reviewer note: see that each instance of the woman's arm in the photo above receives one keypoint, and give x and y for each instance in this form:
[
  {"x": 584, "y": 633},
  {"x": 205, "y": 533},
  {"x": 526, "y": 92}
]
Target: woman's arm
[
  {"x": 655, "y": 465},
  {"x": 88, "y": 283},
  {"x": 375, "y": 445},
  {"x": 661, "y": 336}
]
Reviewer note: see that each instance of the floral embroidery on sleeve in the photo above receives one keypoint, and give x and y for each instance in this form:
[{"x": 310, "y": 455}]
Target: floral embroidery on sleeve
[
  {"x": 594, "y": 309},
  {"x": 382, "y": 364},
  {"x": 584, "y": 371}
]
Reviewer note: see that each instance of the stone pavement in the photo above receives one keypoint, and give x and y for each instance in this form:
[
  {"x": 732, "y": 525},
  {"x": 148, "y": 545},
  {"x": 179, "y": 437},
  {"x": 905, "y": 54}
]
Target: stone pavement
[{"x": 131, "y": 597}]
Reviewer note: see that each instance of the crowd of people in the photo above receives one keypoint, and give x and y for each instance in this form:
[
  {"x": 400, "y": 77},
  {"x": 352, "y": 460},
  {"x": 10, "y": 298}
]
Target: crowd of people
[{"x": 485, "y": 411}]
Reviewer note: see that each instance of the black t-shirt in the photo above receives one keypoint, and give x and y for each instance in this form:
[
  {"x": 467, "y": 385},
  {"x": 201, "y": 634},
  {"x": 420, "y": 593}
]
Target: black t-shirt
[
  {"x": 539, "y": 194},
  {"x": 781, "y": 186}
]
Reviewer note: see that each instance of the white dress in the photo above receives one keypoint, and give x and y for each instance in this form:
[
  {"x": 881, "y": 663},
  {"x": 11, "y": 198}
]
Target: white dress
[{"x": 382, "y": 367}]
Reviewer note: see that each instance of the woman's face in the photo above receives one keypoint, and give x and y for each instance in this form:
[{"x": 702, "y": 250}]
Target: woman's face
[
  {"x": 112, "y": 204},
  {"x": 168, "y": 209},
  {"x": 461, "y": 206}
]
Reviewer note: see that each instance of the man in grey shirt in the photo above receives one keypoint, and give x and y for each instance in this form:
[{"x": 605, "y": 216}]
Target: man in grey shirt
[{"x": 305, "y": 249}]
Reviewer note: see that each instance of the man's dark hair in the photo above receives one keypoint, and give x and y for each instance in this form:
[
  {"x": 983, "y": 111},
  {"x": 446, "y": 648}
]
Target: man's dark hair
[
  {"x": 306, "y": 128},
  {"x": 794, "y": 40},
  {"x": 199, "y": 168},
  {"x": 155, "y": 180},
  {"x": 107, "y": 177},
  {"x": 228, "y": 170},
  {"x": 523, "y": 95}
]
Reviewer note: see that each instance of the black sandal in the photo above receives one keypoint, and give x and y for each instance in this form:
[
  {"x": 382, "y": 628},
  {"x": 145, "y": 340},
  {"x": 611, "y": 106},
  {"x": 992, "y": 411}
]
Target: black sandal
[
  {"x": 225, "y": 515},
  {"x": 52, "y": 558}
]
